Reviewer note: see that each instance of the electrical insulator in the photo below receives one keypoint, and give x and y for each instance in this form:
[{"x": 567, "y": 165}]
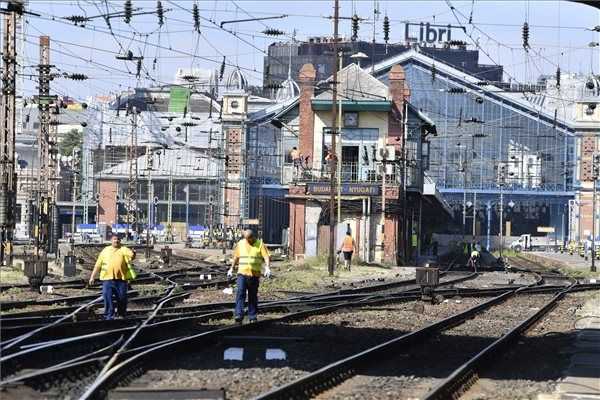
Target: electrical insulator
[
  {"x": 354, "y": 27},
  {"x": 138, "y": 68},
  {"x": 558, "y": 77},
  {"x": 386, "y": 29},
  {"x": 525, "y": 35},
  {"x": 222, "y": 71},
  {"x": 160, "y": 13},
  {"x": 433, "y": 72},
  {"x": 596, "y": 166},
  {"x": 273, "y": 32},
  {"x": 128, "y": 11},
  {"x": 196, "y": 15},
  {"x": 456, "y": 90},
  {"x": 78, "y": 77}
]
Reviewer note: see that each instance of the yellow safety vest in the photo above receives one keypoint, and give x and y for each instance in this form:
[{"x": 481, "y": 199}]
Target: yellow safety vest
[
  {"x": 251, "y": 259},
  {"x": 130, "y": 273}
]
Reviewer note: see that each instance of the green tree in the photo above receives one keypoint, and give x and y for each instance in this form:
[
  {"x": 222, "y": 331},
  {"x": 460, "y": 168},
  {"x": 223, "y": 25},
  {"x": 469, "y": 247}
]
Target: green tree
[{"x": 72, "y": 139}]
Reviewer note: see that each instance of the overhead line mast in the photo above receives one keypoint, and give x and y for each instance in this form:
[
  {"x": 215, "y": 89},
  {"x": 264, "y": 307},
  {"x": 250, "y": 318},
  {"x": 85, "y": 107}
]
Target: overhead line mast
[{"x": 333, "y": 154}]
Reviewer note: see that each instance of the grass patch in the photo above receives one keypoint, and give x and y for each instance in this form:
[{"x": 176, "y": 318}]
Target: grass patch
[
  {"x": 506, "y": 253},
  {"x": 312, "y": 274},
  {"x": 11, "y": 276}
]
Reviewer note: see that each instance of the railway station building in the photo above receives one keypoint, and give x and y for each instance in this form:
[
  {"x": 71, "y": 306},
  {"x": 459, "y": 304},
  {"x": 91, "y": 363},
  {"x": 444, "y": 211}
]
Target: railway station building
[
  {"x": 523, "y": 142},
  {"x": 379, "y": 126}
]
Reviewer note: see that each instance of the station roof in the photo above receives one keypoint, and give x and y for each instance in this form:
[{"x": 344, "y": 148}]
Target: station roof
[
  {"x": 544, "y": 105},
  {"x": 180, "y": 163}
]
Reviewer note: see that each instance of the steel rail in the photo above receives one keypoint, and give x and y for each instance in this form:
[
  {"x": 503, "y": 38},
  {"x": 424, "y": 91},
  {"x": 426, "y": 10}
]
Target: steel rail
[
  {"x": 333, "y": 374},
  {"x": 467, "y": 373},
  {"x": 170, "y": 324},
  {"x": 112, "y": 376}
]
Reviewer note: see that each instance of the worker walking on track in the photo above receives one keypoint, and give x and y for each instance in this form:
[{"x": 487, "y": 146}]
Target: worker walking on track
[
  {"x": 114, "y": 264},
  {"x": 248, "y": 256},
  {"x": 474, "y": 259},
  {"x": 348, "y": 248}
]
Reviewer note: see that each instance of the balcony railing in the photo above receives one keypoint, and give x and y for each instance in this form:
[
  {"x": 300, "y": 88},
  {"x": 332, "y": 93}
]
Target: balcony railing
[{"x": 351, "y": 172}]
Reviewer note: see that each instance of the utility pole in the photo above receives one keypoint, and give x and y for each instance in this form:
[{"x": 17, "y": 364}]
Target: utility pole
[
  {"x": 502, "y": 180},
  {"x": 44, "y": 173},
  {"x": 595, "y": 175},
  {"x": 334, "y": 124},
  {"x": 132, "y": 184},
  {"x": 150, "y": 194},
  {"x": 74, "y": 168},
  {"x": 170, "y": 205},
  {"x": 8, "y": 184},
  {"x": 474, "y": 213}
]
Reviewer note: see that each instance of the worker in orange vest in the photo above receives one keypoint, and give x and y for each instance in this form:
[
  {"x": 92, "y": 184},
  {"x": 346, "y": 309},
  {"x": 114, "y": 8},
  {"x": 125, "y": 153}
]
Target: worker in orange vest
[{"x": 348, "y": 248}]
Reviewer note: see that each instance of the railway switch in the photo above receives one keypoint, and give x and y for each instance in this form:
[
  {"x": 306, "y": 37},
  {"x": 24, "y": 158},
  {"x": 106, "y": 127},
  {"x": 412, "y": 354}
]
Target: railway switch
[
  {"x": 35, "y": 269},
  {"x": 165, "y": 254},
  {"x": 428, "y": 278}
]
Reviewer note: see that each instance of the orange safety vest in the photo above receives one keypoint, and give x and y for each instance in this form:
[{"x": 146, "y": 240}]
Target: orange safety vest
[{"x": 348, "y": 244}]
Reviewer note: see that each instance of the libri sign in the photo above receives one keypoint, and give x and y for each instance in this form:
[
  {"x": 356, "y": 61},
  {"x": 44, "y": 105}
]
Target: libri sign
[{"x": 428, "y": 33}]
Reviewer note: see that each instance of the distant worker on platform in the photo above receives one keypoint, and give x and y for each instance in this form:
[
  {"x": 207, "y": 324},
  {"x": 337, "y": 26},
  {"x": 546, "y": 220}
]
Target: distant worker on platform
[
  {"x": 348, "y": 248},
  {"x": 249, "y": 255},
  {"x": 114, "y": 264}
]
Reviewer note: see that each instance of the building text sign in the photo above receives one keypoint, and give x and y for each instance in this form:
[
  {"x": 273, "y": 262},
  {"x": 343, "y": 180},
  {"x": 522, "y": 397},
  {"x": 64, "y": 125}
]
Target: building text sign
[
  {"x": 428, "y": 33},
  {"x": 346, "y": 189}
]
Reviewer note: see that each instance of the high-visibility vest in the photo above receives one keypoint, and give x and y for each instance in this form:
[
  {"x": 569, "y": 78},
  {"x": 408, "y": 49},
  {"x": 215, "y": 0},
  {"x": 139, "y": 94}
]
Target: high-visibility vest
[
  {"x": 348, "y": 244},
  {"x": 250, "y": 257},
  {"x": 130, "y": 273}
]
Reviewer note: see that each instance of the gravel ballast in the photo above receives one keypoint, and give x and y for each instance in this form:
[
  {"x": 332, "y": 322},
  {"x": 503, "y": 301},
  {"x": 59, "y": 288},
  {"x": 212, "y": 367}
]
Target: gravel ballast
[
  {"x": 310, "y": 344},
  {"x": 413, "y": 373}
]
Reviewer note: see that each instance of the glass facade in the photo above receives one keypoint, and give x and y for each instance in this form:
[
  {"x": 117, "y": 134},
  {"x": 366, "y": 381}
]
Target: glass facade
[
  {"x": 197, "y": 210},
  {"x": 478, "y": 137}
]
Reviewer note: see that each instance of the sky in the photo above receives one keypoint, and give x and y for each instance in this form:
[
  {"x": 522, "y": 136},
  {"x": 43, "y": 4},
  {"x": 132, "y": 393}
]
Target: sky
[{"x": 559, "y": 36}]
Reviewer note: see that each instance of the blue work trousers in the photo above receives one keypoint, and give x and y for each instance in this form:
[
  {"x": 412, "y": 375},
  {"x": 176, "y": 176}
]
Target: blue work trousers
[
  {"x": 246, "y": 284},
  {"x": 118, "y": 288}
]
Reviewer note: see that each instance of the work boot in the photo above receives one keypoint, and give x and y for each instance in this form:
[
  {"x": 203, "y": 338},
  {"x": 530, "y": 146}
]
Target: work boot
[
  {"x": 253, "y": 320},
  {"x": 239, "y": 321}
]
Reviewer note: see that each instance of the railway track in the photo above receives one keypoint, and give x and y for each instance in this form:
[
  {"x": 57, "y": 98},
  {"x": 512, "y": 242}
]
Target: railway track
[
  {"x": 130, "y": 346},
  {"x": 417, "y": 352},
  {"x": 156, "y": 332}
]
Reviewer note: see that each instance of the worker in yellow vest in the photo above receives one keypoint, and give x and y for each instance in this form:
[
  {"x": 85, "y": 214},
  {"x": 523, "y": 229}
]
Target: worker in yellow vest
[
  {"x": 348, "y": 248},
  {"x": 248, "y": 256},
  {"x": 114, "y": 264}
]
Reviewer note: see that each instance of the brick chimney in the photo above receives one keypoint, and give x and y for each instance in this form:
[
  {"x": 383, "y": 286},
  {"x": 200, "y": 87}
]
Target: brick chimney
[
  {"x": 399, "y": 94},
  {"x": 306, "y": 80}
]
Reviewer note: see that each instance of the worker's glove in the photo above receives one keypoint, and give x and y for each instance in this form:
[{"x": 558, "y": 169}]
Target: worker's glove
[
  {"x": 230, "y": 273},
  {"x": 267, "y": 272}
]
